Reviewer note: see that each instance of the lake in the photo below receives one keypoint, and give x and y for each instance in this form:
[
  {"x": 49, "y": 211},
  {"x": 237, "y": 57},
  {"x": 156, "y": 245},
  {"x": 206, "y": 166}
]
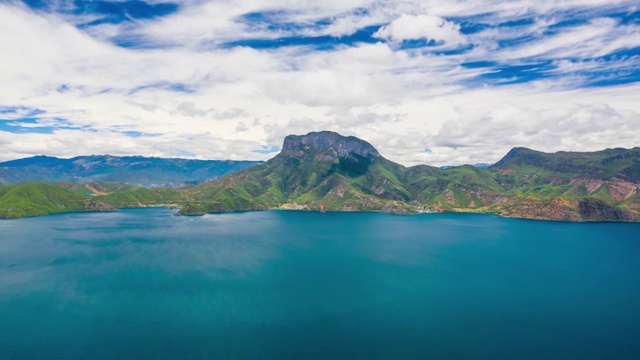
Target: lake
[{"x": 143, "y": 284}]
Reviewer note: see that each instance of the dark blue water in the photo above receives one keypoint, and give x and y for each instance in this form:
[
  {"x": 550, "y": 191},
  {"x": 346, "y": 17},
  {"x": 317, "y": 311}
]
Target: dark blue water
[{"x": 144, "y": 284}]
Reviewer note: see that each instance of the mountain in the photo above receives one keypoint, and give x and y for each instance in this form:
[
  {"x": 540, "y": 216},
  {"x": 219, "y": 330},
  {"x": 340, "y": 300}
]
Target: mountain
[
  {"x": 320, "y": 171},
  {"x": 324, "y": 171},
  {"x": 133, "y": 170},
  {"x": 600, "y": 185},
  {"x": 39, "y": 198},
  {"x": 604, "y": 165},
  {"x": 33, "y": 199},
  {"x": 478, "y": 165}
]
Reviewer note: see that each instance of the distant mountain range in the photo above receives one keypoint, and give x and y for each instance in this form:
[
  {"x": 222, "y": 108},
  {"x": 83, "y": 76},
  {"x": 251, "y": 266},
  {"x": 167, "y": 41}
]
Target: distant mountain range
[
  {"x": 478, "y": 165},
  {"x": 133, "y": 170},
  {"x": 324, "y": 171}
]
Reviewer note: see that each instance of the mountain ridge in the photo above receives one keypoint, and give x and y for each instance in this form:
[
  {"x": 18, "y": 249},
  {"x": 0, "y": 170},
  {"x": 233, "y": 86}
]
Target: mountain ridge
[
  {"x": 316, "y": 179},
  {"x": 325, "y": 171},
  {"x": 328, "y": 140},
  {"x": 134, "y": 170}
]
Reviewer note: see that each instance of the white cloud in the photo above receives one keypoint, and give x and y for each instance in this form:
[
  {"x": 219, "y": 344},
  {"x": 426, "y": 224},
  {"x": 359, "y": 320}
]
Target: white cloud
[
  {"x": 599, "y": 37},
  {"x": 224, "y": 103},
  {"x": 427, "y": 27}
]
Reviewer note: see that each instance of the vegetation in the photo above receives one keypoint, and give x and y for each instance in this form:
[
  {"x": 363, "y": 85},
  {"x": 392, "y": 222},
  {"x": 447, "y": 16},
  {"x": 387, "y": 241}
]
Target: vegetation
[
  {"x": 563, "y": 186},
  {"x": 327, "y": 172},
  {"x": 133, "y": 170},
  {"x": 33, "y": 199}
]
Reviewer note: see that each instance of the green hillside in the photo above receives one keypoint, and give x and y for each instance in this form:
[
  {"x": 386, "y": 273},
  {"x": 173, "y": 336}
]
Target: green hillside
[
  {"x": 325, "y": 171},
  {"x": 603, "y": 165},
  {"x": 34, "y": 199},
  {"x": 312, "y": 177}
]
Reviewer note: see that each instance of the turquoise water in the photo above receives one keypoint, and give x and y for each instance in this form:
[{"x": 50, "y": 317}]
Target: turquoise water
[{"x": 144, "y": 284}]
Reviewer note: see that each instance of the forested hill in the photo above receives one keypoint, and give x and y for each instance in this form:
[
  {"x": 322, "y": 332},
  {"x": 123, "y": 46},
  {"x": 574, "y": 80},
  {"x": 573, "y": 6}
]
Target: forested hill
[{"x": 324, "y": 171}]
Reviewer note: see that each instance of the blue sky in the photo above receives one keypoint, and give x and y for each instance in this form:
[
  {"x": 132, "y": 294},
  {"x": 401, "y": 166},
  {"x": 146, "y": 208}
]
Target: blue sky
[{"x": 467, "y": 80}]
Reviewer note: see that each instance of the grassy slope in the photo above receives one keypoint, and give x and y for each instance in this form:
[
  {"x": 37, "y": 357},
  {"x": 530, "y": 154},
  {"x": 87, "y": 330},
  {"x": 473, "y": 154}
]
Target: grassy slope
[
  {"x": 142, "y": 197},
  {"x": 581, "y": 186},
  {"x": 603, "y": 165},
  {"x": 525, "y": 184},
  {"x": 566, "y": 186},
  {"x": 317, "y": 179},
  {"x": 33, "y": 199}
]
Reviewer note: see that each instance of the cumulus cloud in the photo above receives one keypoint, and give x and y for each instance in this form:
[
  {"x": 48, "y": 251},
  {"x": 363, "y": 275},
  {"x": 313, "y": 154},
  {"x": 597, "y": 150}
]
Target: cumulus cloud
[
  {"x": 427, "y": 27},
  {"x": 547, "y": 75}
]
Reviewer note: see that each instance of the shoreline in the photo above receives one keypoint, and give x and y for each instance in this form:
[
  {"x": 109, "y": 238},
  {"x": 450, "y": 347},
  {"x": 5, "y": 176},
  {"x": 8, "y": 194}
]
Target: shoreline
[{"x": 177, "y": 213}]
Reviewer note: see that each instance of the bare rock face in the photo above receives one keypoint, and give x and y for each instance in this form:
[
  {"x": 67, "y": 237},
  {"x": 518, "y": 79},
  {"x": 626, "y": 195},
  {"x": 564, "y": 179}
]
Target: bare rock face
[
  {"x": 328, "y": 141},
  {"x": 99, "y": 206},
  {"x": 619, "y": 189},
  {"x": 592, "y": 209}
]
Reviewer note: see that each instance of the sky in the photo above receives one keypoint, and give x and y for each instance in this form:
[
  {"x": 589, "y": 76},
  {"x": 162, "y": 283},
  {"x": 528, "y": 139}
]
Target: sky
[{"x": 437, "y": 82}]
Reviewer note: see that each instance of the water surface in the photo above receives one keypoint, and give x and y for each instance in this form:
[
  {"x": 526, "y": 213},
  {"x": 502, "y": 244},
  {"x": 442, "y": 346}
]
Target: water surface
[{"x": 145, "y": 284}]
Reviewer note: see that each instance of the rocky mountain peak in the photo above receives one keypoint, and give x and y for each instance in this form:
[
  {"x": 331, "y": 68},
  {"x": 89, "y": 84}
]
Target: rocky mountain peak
[
  {"x": 342, "y": 146},
  {"x": 518, "y": 155}
]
